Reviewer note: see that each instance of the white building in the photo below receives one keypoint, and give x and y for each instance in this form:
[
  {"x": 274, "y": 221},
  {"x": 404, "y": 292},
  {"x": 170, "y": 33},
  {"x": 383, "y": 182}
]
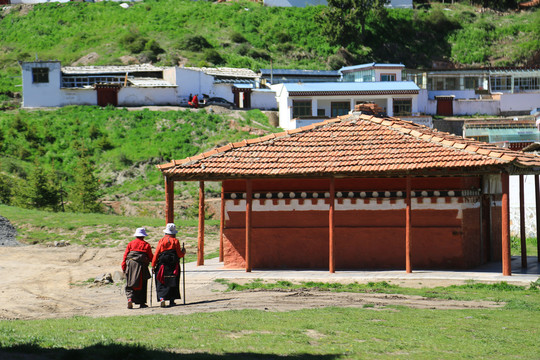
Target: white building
[
  {"x": 489, "y": 91},
  {"x": 48, "y": 84},
  {"x": 303, "y": 104}
]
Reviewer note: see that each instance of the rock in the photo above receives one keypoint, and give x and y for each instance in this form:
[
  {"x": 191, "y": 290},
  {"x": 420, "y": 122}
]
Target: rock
[
  {"x": 87, "y": 59},
  {"x": 104, "y": 279},
  {"x": 118, "y": 276},
  {"x": 8, "y": 233},
  {"x": 60, "y": 243}
]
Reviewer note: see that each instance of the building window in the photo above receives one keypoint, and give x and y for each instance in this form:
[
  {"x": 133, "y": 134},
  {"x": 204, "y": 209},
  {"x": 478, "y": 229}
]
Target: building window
[
  {"x": 301, "y": 108},
  {"x": 40, "y": 75},
  {"x": 501, "y": 83},
  {"x": 532, "y": 83},
  {"x": 340, "y": 108},
  {"x": 321, "y": 112},
  {"x": 471, "y": 83},
  {"x": 451, "y": 83},
  {"x": 402, "y": 107},
  {"x": 388, "y": 77}
]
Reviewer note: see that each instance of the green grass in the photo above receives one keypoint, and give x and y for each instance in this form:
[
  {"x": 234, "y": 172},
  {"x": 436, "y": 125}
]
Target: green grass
[
  {"x": 514, "y": 296},
  {"x": 329, "y": 333},
  {"x": 94, "y": 230},
  {"x": 531, "y": 245}
]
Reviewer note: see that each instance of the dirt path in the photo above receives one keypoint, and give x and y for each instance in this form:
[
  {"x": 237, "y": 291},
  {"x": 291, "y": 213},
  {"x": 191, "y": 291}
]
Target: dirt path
[{"x": 51, "y": 282}]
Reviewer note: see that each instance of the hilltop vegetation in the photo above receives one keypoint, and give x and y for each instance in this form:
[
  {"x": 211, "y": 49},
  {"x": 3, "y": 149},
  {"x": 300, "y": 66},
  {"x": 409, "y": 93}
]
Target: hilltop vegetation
[{"x": 246, "y": 34}]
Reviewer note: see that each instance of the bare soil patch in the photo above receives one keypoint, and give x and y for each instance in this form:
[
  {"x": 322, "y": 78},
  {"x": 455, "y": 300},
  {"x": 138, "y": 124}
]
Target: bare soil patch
[{"x": 52, "y": 282}]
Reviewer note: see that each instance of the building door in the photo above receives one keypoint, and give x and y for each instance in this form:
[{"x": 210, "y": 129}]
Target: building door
[
  {"x": 242, "y": 97},
  {"x": 107, "y": 95},
  {"x": 445, "y": 105}
]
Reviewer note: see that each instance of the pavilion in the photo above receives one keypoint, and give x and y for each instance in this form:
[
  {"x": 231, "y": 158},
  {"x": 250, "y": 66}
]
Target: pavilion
[{"x": 359, "y": 192}]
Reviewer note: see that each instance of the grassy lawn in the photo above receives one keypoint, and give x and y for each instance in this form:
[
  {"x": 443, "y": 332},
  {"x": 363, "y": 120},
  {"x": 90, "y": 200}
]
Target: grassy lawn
[
  {"x": 329, "y": 333},
  {"x": 97, "y": 230}
]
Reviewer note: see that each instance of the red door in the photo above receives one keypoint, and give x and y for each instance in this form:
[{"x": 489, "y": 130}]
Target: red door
[
  {"x": 445, "y": 105},
  {"x": 107, "y": 95}
]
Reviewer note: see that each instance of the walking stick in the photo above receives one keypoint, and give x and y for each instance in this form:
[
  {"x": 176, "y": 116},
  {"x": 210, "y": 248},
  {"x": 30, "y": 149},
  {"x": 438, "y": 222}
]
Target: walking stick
[
  {"x": 184, "y": 273},
  {"x": 151, "y": 286}
]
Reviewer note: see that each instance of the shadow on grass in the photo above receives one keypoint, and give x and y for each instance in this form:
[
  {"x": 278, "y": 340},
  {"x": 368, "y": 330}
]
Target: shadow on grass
[{"x": 135, "y": 352}]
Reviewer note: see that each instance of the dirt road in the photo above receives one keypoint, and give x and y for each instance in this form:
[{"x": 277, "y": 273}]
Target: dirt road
[{"x": 51, "y": 282}]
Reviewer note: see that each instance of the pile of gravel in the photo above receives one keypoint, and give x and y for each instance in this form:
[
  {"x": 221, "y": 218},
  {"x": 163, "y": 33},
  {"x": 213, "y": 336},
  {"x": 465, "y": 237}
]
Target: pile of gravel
[{"x": 8, "y": 233}]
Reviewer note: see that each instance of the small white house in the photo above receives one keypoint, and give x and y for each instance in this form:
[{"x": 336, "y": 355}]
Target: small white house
[
  {"x": 304, "y": 104},
  {"x": 48, "y": 84}
]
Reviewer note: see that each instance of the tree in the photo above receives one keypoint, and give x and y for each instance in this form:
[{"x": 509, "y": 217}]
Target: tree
[
  {"x": 341, "y": 18},
  {"x": 39, "y": 191},
  {"x": 84, "y": 195}
]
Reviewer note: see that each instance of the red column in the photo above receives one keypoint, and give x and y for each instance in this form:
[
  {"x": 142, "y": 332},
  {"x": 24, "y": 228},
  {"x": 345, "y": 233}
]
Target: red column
[
  {"x": 537, "y": 191},
  {"x": 249, "y": 195},
  {"x": 221, "y": 224},
  {"x": 522, "y": 221},
  {"x": 200, "y": 242},
  {"x": 408, "y": 227},
  {"x": 169, "y": 200},
  {"x": 331, "y": 257},
  {"x": 505, "y": 222}
]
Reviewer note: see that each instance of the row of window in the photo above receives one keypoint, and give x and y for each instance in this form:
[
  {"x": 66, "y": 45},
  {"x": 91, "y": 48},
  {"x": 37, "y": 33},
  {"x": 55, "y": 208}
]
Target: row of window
[
  {"x": 82, "y": 81},
  {"x": 302, "y": 108},
  {"x": 366, "y": 76},
  {"x": 505, "y": 83}
]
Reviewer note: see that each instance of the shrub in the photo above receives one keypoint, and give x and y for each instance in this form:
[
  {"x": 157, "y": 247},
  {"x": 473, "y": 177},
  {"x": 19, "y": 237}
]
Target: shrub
[
  {"x": 213, "y": 57},
  {"x": 133, "y": 42},
  {"x": 194, "y": 43},
  {"x": 238, "y": 38},
  {"x": 259, "y": 54}
]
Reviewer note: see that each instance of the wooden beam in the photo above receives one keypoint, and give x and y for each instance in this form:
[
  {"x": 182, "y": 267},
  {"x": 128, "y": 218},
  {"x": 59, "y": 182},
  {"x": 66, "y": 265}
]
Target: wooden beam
[
  {"x": 200, "y": 242},
  {"x": 169, "y": 200},
  {"x": 505, "y": 225},
  {"x": 537, "y": 191},
  {"x": 249, "y": 196},
  {"x": 221, "y": 224},
  {"x": 523, "y": 232},
  {"x": 408, "y": 226},
  {"x": 331, "y": 256}
]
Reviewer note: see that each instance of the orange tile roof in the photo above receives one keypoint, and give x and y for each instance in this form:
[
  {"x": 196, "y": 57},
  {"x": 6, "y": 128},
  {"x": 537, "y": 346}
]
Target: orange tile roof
[{"x": 353, "y": 145}]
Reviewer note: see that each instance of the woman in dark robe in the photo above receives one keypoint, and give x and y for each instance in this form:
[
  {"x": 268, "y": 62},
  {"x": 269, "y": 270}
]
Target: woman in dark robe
[
  {"x": 166, "y": 266},
  {"x": 137, "y": 257}
]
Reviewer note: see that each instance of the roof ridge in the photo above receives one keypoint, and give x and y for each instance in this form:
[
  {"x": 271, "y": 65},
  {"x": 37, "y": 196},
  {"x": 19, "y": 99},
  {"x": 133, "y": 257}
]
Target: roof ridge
[{"x": 445, "y": 139}]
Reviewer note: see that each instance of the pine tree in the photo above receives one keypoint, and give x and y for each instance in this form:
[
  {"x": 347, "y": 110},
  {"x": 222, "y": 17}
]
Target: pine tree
[
  {"x": 38, "y": 192},
  {"x": 84, "y": 195}
]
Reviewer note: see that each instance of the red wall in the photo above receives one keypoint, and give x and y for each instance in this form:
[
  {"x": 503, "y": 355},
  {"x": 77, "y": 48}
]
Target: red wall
[{"x": 364, "y": 239}]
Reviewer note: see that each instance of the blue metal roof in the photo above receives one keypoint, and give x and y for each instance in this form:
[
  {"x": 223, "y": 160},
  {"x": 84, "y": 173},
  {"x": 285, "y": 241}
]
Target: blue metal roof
[
  {"x": 352, "y": 86},
  {"x": 370, "y": 65},
  {"x": 293, "y": 72}
]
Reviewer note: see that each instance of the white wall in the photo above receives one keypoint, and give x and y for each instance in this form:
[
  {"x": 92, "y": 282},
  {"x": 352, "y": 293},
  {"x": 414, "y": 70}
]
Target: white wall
[
  {"x": 530, "y": 206},
  {"x": 519, "y": 102},
  {"x": 263, "y": 99},
  {"x": 41, "y": 94},
  {"x": 192, "y": 82},
  {"x": 459, "y": 94},
  {"x": 138, "y": 96},
  {"x": 379, "y": 71},
  {"x": 78, "y": 97},
  {"x": 471, "y": 107}
]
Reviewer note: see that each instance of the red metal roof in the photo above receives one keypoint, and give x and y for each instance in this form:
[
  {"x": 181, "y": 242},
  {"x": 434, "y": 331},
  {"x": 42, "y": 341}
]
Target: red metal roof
[{"x": 352, "y": 145}]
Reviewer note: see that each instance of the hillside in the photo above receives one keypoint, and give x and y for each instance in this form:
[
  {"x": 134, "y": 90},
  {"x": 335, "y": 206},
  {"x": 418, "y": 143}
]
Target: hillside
[
  {"x": 246, "y": 34},
  {"x": 123, "y": 145}
]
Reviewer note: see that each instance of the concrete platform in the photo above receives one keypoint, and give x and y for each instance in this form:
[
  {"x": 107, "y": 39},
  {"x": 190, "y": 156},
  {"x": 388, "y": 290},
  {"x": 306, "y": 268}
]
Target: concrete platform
[{"x": 489, "y": 273}]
